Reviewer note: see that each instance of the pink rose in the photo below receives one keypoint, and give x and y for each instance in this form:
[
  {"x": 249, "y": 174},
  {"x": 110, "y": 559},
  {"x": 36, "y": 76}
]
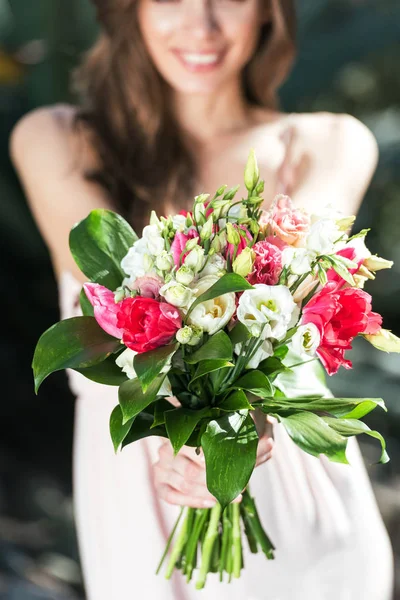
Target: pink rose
[
  {"x": 288, "y": 223},
  {"x": 179, "y": 243},
  {"x": 148, "y": 286},
  {"x": 230, "y": 248},
  {"x": 267, "y": 265},
  {"x": 147, "y": 324},
  {"x": 340, "y": 315},
  {"x": 105, "y": 308}
]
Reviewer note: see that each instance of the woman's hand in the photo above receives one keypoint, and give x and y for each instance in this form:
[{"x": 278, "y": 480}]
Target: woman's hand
[{"x": 182, "y": 479}]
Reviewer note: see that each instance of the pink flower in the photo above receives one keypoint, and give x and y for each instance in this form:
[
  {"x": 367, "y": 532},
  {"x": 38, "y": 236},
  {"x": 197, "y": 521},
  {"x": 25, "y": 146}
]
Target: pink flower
[
  {"x": 105, "y": 308},
  {"x": 230, "y": 248},
  {"x": 148, "y": 286},
  {"x": 288, "y": 223},
  {"x": 276, "y": 241},
  {"x": 147, "y": 324},
  {"x": 350, "y": 253},
  {"x": 267, "y": 266},
  {"x": 340, "y": 315},
  {"x": 179, "y": 243}
]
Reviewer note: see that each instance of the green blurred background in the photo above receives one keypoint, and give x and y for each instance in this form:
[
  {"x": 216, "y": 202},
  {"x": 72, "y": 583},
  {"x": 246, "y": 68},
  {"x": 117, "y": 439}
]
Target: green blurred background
[{"x": 349, "y": 55}]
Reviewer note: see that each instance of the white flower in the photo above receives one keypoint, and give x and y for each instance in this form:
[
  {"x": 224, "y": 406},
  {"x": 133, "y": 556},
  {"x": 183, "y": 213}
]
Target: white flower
[
  {"x": 264, "y": 351},
  {"x": 195, "y": 259},
  {"x": 138, "y": 261},
  {"x": 212, "y": 315},
  {"x": 267, "y": 310},
  {"x": 176, "y": 294},
  {"x": 179, "y": 222},
  {"x": 125, "y": 362},
  {"x": 298, "y": 259},
  {"x": 322, "y": 237},
  {"x": 215, "y": 265},
  {"x": 154, "y": 240},
  {"x": 184, "y": 275},
  {"x": 306, "y": 340},
  {"x": 165, "y": 261}
]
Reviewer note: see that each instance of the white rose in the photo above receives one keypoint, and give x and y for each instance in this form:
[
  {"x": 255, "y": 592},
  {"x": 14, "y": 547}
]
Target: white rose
[
  {"x": 212, "y": 315},
  {"x": 267, "y": 310},
  {"x": 264, "y": 351},
  {"x": 322, "y": 237},
  {"x": 215, "y": 265},
  {"x": 154, "y": 240},
  {"x": 306, "y": 340},
  {"x": 177, "y": 294},
  {"x": 195, "y": 259},
  {"x": 125, "y": 362},
  {"x": 184, "y": 275},
  {"x": 138, "y": 261}
]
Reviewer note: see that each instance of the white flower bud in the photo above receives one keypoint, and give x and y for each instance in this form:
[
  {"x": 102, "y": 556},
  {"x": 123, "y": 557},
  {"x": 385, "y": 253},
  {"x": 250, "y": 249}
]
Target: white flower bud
[
  {"x": 197, "y": 335},
  {"x": 184, "y": 335},
  {"x": 195, "y": 259},
  {"x": 243, "y": 264},
  {"x": 164, "y": 262},
  {"x": 184, "y": 275},
  {"x": 176, "y": 294},
  {"x": 251, "y": 173},
  {"x": 206, "y": 230}
]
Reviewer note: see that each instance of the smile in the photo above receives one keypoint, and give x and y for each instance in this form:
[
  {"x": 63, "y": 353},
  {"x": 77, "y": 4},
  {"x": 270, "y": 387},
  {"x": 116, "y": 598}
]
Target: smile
[{"x": 199, "y": 61}]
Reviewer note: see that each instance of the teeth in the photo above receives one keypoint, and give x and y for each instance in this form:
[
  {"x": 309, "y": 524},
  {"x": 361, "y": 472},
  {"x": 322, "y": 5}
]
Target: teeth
[{"x": 200, "y": 59}]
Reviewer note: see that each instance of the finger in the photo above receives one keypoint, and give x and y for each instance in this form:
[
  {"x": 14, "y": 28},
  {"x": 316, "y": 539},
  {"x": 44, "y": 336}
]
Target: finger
[
  {"x": 178, "y": 483},
  {"x": 265, "y": 445},
  {"x": 172, "y": 496},
  {"x": 165, "y": 451},
  {"x": 189, "y": 470}
]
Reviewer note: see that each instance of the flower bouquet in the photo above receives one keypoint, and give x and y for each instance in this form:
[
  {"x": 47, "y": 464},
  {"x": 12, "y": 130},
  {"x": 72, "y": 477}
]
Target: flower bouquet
[{"x": 219, "y": 308}]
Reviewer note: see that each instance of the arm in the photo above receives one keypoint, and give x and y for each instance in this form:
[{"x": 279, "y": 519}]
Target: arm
[{"x": 50, "y": 158}]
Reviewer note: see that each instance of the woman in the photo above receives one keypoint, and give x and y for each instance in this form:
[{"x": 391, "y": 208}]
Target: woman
[{"x": 175, "y": 93}]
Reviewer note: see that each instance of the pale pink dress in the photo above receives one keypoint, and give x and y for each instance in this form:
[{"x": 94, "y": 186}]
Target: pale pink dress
[{"x": 322, "y": 517}]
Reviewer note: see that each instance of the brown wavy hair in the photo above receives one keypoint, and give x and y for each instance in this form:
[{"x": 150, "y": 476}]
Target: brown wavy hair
[{"x": 142, "y": 154}]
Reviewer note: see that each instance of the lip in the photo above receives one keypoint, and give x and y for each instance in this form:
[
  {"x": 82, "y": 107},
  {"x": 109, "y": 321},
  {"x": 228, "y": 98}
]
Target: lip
[{"x": 185, "y": 56}]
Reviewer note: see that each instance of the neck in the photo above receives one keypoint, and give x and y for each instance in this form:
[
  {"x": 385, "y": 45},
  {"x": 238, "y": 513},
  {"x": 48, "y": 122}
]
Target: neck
[{"x": 203, "y": 117}]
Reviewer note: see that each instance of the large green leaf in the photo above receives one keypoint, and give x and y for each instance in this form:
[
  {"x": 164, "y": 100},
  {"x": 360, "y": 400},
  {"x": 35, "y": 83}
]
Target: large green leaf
[
  {"x": 255, "y": 382},
  {"x": 118, "y": 429},
  {"x": 237, "y": 400},
  {"x": 148, "y": 365},
  {"x": 208, "y": 366},
  {"x": 133, "y": 400},
  {"x": 239, "y": 333},
  {"x": 161, "y": 406},
  {"x": 86, "y": 306},
  {"x": 231, "y": 282},
  {"x": 141, "y": 427},
  {"x": 352, "y": 408},
  {"x": 230, "y": 450},
  {"x": 98, "y": 244},
  {"x": 348, "y": 427},
  {"x": 106, "y": 372},
  {"x": 180, "y": 424},
  {"x": 74, "y": 343},
  {"x": 217, "y": 346},
  {"x": 313, "y": 435}
]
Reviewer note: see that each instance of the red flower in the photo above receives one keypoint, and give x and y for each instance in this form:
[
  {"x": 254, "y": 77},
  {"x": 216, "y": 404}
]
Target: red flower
[
  {"x": 147, "y": 324},
  {"x": 340, "y": 315},
  {"x": 267, "y": 266}
]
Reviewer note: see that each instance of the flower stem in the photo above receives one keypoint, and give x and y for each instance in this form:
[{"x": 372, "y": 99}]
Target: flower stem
[
  {"x": 201, "y": 515},
  {"x": 255, "y": 524},
  {"x": 169, "y": 541},
  {"x": 237, "y": 541},
  {"x": 177, "y": 549},
  {"x": 226, "y": 524},
  {"x": 208, "y": 545}
]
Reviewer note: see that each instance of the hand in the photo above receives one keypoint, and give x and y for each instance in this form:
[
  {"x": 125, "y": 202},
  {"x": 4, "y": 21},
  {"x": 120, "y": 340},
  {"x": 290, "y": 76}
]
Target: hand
[{"x": 182, "y": 479}]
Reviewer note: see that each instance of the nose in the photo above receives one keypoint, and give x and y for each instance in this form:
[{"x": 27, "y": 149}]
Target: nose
[{"x": 199, "y": 18}]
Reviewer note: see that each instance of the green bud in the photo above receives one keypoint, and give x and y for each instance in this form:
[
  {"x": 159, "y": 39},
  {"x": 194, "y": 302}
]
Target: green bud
[
  {"x": 384, "y": 340},
  {"x": 376, "y": 263},
  {"x": 251, "y": 172},
  {"x": 189, "y": 221},
  {"x": 260, "y": 187},
  {"x": 231, "y": 193},
  {"x": 345, "y": 223},
  {"x": 190, "y": 244},
  {"x": 243, "y": 264},
  {"x": 221, "y": 190},
  {"x": 199, "y": 213},
  {"x": 207, "y": 229},
  {"x": 254, "y": 228},
  {"x": 119, "y": 295},
  {"x": 201, "y": 198},
  {"x": 233, "y": 235},
  {"x": 197, "y": 334},
  {"x": 154, "y": 220}
]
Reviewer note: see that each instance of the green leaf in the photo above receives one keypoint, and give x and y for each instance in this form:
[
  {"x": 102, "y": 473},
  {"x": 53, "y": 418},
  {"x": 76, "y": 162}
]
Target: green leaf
[
  {"x": 272, "y": 366},
  {"x": 141, "y": 427},
  {"x": 118, "y": 429},
  {"x": 217, "y": 346},
  {"x": 148, "y": 365},
  {"x": 230, "y": 449},
  {"x": 341, "y": 269},
  {"x": 313, "y": 435},
  {"x": 133, "y": 400},
  {"x": 255, "y": 382},
  {"x": 281, "y": 352},
  {"x": 180, "y": 424},
  {"x": 237, "y": 400},
  {"x": 73, "y": 343},
  {"x": 348, "y": 427},
  {"x": 207, "y": 366},
  {"x": 353, "y": 408},
  {"x": 86, "y": 307},
  {"x": 98, "y": 244},
  {"x": 106, "y": 372},
  {"x": 160, "y": 407},
  {"x": 239, "y": 333},
  {"x": 231, "y": 282}
]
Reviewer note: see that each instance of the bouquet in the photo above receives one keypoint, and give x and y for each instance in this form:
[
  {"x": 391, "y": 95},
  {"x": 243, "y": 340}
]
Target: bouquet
[{"x": 219, "y": 308}]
